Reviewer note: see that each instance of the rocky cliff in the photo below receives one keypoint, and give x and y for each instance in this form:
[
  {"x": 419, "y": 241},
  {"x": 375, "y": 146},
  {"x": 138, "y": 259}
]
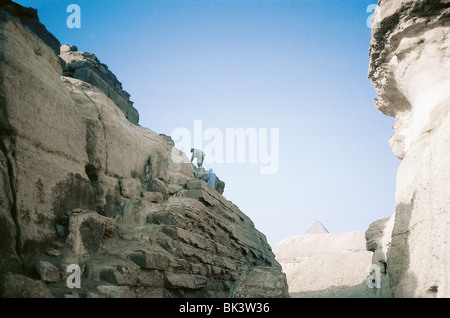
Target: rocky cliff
[
  {"x": 81, "y": 184},
  {"x": 410, "y": 68},
  {"x": 87, "y": 68}
]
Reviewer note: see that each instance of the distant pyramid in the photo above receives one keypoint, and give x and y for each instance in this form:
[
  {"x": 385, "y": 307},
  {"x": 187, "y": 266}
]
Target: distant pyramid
[{"x": 317, "y": 228}]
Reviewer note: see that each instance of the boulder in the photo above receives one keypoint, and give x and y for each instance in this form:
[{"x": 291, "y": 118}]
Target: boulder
[
  {"x": 202, "y": 174},
  {"x": 185, "y": 281},
  {"x": 20, "y": 286},
  {"x": 111, "y": 291},
  {"x": 375, "y": 234},
  {"x": 46, "y": 271},
  {"x": 220, "y": 186},
  {"x": 68, "y": 48},
  {"x": 157, "y": 185},
  {"x": 260, "y": 282},
  {"x": 130, "y": 188},
  {"x": 87, "y": 231},
  {"x": 147, "y": 260},
  {"x": 155, "y": 197},
  {"x": 157, "y": 167}
]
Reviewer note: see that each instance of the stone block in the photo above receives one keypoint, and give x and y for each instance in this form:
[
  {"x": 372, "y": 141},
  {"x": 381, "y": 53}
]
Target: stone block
[
  {"x": 130, "y": 188},
  {"x": 46, "y": 271}
]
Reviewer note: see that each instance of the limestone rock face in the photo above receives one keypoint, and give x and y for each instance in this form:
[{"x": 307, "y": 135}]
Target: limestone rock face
[
  {"x": 202, "y": 174},
  {"x": 20, "y": 286},
  {"x": 86, "y": 67},
  {"x": 249, "y": 284},
  {"x": 410, "y": 67},
  {"x": 29, "y": 18},
  {"x": 81, "y": 184},
  {"x": 378, "y": 240}
]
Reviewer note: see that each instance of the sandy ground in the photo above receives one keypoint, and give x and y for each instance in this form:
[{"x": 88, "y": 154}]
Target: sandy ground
[{"x": 333, "y": 265}]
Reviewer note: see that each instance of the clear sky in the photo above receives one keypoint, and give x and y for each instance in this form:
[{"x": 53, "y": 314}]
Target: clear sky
[{"x": 299, "y": 66}]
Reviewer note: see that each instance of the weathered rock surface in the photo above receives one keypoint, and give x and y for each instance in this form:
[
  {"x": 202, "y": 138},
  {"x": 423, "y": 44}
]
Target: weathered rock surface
[
  {"x": 410, "y": 67},
  {"x": 86, "y": 67},
  {"x": 378, "y": 239},
  {"x": 80, "y": 183},
  {"x": 46, "y": 271},
  {"x": 20, "y": 286},
  {"x": 202, "y": 174},
  {"x": 249, "y": 284}
]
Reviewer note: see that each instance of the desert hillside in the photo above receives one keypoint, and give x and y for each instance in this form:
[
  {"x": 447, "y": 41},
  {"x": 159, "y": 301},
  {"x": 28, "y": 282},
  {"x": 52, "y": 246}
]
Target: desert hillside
[{"x": 326, "y": 264}]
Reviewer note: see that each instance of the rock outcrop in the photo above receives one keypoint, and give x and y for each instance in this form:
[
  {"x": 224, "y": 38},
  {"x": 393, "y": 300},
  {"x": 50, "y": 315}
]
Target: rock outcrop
[
  {"x": 201, "y": 174},
  {"x": 410, "y": 67},
  {"x": 81, "y": 184},
  {"x": 86, "y": 67}
]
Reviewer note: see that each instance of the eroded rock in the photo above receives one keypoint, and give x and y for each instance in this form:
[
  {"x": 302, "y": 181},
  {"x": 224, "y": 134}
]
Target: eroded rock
[
  {"x": 87, "y": 231},
  {"x": 77, "y": 170},
  {"x": 86, "y": 67},
  {"x": 260, "y": 282},
  {"x": 410, "y": 67},
  {"x": 130, "y": 188},
  {"x": 46, "y": 271},
  {"x": 20, "y": 286}
]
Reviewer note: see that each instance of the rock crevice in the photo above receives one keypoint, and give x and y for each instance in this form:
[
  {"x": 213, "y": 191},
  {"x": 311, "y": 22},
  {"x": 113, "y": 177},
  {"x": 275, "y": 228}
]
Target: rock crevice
[{"x": 9, "y": 197}]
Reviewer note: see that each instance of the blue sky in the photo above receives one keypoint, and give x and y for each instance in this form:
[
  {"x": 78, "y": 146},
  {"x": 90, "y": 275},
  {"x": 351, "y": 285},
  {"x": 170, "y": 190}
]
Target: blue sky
[{"x": 296, "y": 65}]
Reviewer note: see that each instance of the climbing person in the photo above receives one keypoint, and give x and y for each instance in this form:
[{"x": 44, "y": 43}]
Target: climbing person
[
  {"x": 211, "y": 178},
  {"x": 200, "y": 155}
]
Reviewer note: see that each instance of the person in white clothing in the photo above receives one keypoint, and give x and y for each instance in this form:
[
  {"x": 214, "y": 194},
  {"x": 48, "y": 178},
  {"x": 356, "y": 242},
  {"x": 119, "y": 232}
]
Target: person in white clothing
[{"x": 200, "y": 155}]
